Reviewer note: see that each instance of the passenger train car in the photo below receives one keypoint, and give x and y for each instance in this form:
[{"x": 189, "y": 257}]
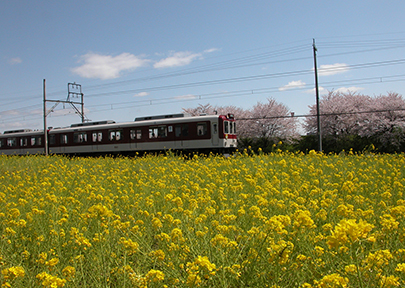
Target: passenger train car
[{"x": 216, "y": 133}]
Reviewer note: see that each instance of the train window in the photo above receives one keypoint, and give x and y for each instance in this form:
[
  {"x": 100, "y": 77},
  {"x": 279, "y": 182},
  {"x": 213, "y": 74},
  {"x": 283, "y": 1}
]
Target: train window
[
  {"x": 132, "y": 134},
  {"x": 112, "y": 135},
  {"x": 181, "y": 130},
  {"x": 184, "y": 130},
  {"x": 94, "y": 136},
  {"x": 100, "y": 136},
  {"x": 23, "y": 141},
  {"x": 1, "y": 142},
  {"x": 177, "y": 130},
  {"x": 11, "y": 142},
  {"x": 158, "y": 132},
  {"x": 64, "y": 139},
  {"x": 162, "y": 131},
  {"x": 36, "y": 141},
  {"x": 52, "y": 139},
  {"x": 152, "y": 133},
  {"x": 234, "y": 127},
  {"x": 215, "y": 128},
  {"x": 118, "y": 135},
  {"x": 201, "y": 129},
  {"x": 135, "y": 134},
  {"x": 115, "y": 135},
  {"x": 226, "y": 127},
  {"x": 80, "y": 137}
]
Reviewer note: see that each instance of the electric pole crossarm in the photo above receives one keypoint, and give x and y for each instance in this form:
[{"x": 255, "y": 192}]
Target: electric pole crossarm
[{"x": 64, "y": 101}]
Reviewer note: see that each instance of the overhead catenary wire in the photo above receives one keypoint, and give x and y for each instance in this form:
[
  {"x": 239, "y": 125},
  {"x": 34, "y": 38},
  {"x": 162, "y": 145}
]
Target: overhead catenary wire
[
  {"x": 238, "y": 79},
  {"x": 239, "y": 93},
  {"x": 388, "y": 44},
  {"x": 147, "y": 102},
  {"x": 322, "y": 114},
  {"x": 240, "y": 62}
]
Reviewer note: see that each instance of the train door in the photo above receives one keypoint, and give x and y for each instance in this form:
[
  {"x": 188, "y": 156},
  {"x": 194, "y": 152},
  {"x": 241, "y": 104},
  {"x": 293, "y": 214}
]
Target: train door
[
  {"x": 214, "y": 133},
  {"x": 63, "y": 140},
  {"x": 181, "y": 133},
  {"x": 96, "y": 138},
  {"x": 178, "y": 143},
  {"x": 134, "y": 135}
]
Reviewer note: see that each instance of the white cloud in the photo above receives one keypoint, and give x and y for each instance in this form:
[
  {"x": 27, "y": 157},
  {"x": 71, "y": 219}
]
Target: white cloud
[
  {"x": 141, "y": 94},
  {"x": 107, "y": 66},
  {"x": 14, "y": 61},
  {"x": 349, "y": 89},
  {"x": 38, "y": 111},
  {"x": 186, "y": 97},
  {"x": 337, "y": 68},
  {"x": 12, "y": 126},
  {"x": 178, "y": 59},
  {"x": 10, "y": 113},
  {"x": 211, "y": 50},
  {"x": 292, "y": 85},
  {"x": 312, "y": 91}
]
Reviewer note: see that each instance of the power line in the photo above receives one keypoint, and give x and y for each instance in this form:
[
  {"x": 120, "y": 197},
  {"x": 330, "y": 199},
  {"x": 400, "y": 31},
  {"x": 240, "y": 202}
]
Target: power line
[
  {"x": 237, "y": 93},
  {"x": 247, "y": 61},
  {"x": 321, "y": 114},
  {"x": 248, "y": 78}
]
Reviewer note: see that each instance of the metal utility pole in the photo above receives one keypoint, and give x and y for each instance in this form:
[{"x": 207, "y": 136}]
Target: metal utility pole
[
  {"x": 74, "y": 90},
  {"x": 45, "y": 129},
  {"x": 318, "y": 118}
]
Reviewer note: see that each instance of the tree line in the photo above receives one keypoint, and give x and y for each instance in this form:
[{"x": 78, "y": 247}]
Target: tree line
[{"x": 348, "y": 121}]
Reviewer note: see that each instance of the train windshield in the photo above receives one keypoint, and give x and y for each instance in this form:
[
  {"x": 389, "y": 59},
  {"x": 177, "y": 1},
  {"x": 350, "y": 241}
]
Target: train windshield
[{"x": 229, "y": 127}]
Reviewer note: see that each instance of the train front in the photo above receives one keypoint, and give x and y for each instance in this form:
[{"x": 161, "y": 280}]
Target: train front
[{"x": 227, "y": 134}]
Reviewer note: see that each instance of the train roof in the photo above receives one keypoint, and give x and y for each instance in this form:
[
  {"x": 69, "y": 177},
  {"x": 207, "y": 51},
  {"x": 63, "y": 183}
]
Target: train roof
[
  {"x": 93, "y": 123},
  {"x": 22, "y": 132},
  {"x": 180, "y": 115}
]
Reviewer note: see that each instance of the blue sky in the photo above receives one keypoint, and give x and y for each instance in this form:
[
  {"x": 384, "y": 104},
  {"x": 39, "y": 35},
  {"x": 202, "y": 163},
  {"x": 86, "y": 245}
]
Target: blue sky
[{"x": 138, "y": 58}]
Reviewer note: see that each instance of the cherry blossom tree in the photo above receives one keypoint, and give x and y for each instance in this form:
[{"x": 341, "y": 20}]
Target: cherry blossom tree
[
  {"x": 387, "y": 123},
  {"x": 268, "y": 120},
  {"x": 379, "y": 119},
  {"x": 273, "y": 120},
  {"x": 200, "y": 109},
  {"x": 340, "y": 114}
]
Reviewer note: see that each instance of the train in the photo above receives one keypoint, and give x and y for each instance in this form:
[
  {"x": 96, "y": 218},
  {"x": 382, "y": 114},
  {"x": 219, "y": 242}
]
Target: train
[{"x": 176, "y": 132}]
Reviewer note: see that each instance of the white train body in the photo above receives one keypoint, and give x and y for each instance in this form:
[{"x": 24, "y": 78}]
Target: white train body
[{"x": 155, "y": 133}]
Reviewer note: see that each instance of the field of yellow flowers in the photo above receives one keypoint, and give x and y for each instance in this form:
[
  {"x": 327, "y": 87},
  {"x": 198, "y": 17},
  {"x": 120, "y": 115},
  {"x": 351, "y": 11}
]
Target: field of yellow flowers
[{"x": 277, "y": 220}]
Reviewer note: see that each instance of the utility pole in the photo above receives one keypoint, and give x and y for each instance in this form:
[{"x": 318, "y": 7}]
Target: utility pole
[
  {"x": 318, "y": 118},
  {"x": 45, "y": 128},
  {"x": 74, "y": 90}
]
